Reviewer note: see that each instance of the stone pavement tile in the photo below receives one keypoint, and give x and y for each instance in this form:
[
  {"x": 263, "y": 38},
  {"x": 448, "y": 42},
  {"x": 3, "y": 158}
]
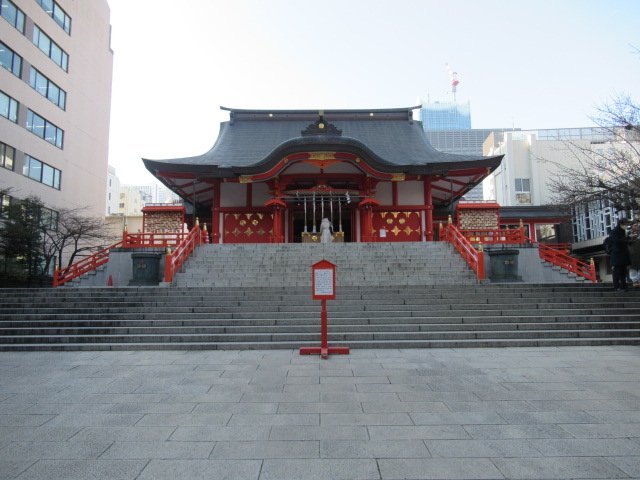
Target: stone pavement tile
[
  {"x": 300, "y": 380},
  {"x": 456, "y": 418},
  {"x": 266, "y": 449},
  {"x": 417, "y": 432},
  {"x": 482, "y": 448},
  {"x": 615, "y": 416},
  {"x": 558, "y": 405},
  {"x": 230, "y": 395},
  {"x": 397, "y": 406},
  {"x": 44, "y": 433},
  {"x": 373, "y": 449},
  {"x": 164, "y": 407},
  {"x": 357, "y": 397},
  {"x": 84, "y": 469},
  {"x": 131, "y": 434},
  {"x": 218, "y": 434},
  {"x": 75, "y": 408},
  {"x": 516, "y": 431},
  {"x": 541, "y": 395},
  {"x": 438, "y": 468},
  {"x": 583, "y": 447},
  {"x": 537, "y": 386},
  {"x": 95, "y": 420},
  {"x": 10, "y": 407},
  {"x": 319, "y": 469},
  {"x": 13, "y": 468},
  {"x": 281, "y": 397},
  {"x": 302, "y": 432},
  {"x": 201, "y": 470},
  {"x": 158, "y": 450},
  {"x": 24, "y": 420},
  {"x": 492, "y": 406},
  {"x": 321, "y": 388},
  {"x": 384, "y": 388},
  {"x": 351, "y": 380},
  {"x": 277, "y": 419},
  {"x": 54, "y": 450},
  {"x": 629, "y": 465},
  {"x": 233, "y": 407},
  {"x": 436, "y": 397},
  {"x": 602, "y": 430},
  {"x": 365, "y": 419},
  {"x": 320, "y": 407},
  {"x": 559, "y": 467},
  {"x": 118, "y": 398},
  {"x": 183, "y": 419},
  {"x": 547, "y": 417}
]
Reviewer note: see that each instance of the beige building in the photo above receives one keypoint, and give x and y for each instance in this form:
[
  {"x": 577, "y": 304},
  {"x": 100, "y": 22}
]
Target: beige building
[{"x": 55, "y": 97}]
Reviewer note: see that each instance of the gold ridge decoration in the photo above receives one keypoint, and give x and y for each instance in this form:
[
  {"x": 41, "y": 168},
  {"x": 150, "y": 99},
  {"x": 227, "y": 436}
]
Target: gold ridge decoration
[
  {"x": 398, "y": 177},
  {"x": 322, "y": 156},
  {"x": 245, "y": 179}
]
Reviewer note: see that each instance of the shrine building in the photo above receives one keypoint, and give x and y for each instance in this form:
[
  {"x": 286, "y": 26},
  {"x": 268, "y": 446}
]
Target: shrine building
[{"x": 272, "y": 176}]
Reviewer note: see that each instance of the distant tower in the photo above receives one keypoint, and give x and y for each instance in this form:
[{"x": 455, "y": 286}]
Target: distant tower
[{"x": 453, "y": 76}]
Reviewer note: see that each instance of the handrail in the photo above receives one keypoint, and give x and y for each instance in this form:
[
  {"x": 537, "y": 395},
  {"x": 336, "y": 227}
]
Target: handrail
[
  {"x": 559, "y": 257},
  {"x": 87, "y": 264},
  {"x": 152, "y": 240},
  {"x": 495, "y": 236},
  {"x": 173, "y": 261},
  {"x": 473, "y": 257}
]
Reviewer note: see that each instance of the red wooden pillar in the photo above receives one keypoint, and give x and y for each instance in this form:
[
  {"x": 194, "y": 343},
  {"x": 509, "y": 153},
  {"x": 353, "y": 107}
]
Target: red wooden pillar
[
  {"x": 278, "y": 207},
  {"x": 428, "y": 203},
  {"x": 366, "y": 220},
  {"x": 215, "y": 213}
]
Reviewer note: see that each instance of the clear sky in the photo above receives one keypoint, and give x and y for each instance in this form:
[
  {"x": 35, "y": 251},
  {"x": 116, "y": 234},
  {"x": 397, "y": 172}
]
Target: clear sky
[{"x": 528, "y": 64}]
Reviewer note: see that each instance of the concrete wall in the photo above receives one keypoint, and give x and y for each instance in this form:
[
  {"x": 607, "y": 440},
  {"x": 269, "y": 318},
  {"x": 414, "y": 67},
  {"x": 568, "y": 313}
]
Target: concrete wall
[{"x": 119, "y": 267}]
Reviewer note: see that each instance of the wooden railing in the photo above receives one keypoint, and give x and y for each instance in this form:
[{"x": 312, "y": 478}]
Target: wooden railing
[
  {"x": 87, "y": 264},
  {"x": 557, "y": 254},
  {"x": 500, "y": 236},
  {"x": 180, "y": 241},
  {"x": 475, "y": 258},
  {"x": 173, "y": 261}
]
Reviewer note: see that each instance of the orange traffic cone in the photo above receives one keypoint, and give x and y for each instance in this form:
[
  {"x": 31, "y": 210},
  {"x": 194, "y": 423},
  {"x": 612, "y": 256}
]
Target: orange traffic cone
[{"x": 110, "y": 281}]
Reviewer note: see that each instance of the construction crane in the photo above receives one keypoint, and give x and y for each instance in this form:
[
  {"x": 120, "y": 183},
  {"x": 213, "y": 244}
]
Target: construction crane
[{"x": 453, "y": 75}]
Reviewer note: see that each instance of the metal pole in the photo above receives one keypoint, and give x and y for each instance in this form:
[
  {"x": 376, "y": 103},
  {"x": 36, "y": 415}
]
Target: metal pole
[
  {"x": 339, "y": 215},
  {"x": 324, "y": 340},
  {"x": 305, "y": 214},
  {"x": 314, "y": 213}
]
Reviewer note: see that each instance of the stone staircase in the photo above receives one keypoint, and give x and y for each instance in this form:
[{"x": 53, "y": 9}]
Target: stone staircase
[
  {"x": 358, "y": 264},
  {"x": 258, "y": 297}
]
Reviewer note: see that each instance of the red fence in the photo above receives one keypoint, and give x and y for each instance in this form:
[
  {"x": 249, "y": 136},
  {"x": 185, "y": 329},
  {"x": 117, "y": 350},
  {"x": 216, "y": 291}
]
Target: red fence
[
  {"x": 558, "y": 255},
  {"x": 473, "y": 257},
  {"x": 183, "y": 243}
]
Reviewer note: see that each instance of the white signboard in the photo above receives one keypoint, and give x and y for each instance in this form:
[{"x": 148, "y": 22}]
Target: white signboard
[
  {"x": 383, "y": 233},
  {"x": 323, "y": 281}
]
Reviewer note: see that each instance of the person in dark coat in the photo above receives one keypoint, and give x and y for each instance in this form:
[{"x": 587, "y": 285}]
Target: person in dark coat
[{"x": 618, "y": 245}]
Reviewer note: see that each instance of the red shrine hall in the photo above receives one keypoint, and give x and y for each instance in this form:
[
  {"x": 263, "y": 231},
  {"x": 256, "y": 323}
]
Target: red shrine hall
[{"x": 272, "y": 176}]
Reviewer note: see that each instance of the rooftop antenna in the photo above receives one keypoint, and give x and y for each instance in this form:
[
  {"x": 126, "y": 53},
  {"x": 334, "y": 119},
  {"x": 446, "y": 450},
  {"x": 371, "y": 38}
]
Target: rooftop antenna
[{"x": 453, "y": 75}]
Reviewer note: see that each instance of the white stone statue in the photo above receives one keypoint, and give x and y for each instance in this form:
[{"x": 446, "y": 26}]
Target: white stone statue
[{"x": 326, "y": 229}]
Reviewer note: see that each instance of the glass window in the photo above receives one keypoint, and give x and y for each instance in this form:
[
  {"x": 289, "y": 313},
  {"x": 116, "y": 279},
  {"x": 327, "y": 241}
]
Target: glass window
[
  {"x": 56, "y": 179},
  {"x": 50, "y": 131},
  {"x": 7, "y": 156},
  {"x": 50, "y": 48},
  {"x": 44, "y": 129},
  {"x": 41, "y": 172},
  {"x": 5, "y": 204},
  {"x": 8, "y": 107},
  {"x": 47, "y": 175},
  {"x": 33, "y": 169},
  {"x": 10, "y": 60},
  {"x": 13, "y": 14},
  {"x": 47, "y": 88},
  {"x": 56, "y": 12}
]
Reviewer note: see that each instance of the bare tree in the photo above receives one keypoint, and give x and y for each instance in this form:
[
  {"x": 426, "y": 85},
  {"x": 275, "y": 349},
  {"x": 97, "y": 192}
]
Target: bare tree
[
  {"x": 75, "y": 234},
  {"x": 609, "y": 169}
]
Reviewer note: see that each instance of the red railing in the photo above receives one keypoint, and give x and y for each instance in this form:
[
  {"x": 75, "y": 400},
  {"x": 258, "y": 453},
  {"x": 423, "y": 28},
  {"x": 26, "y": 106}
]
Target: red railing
[
  {"x": 499, "y": 236},
  {"x": 151, "y": 240},
  {"x": 473, "y": 257},
  {"x": 173, "y": 261},
  {"x": 87, "y": 264},
  {"x": 135, "y": 240},
  {"x": 557, "y": 254}
]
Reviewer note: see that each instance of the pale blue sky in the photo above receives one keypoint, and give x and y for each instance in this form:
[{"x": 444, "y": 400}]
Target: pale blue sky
[{"x": 540, "y": 64}]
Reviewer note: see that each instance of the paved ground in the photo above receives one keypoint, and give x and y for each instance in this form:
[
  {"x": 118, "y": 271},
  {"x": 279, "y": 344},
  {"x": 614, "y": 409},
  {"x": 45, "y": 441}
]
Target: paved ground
[{"x": 375, "y": 414}]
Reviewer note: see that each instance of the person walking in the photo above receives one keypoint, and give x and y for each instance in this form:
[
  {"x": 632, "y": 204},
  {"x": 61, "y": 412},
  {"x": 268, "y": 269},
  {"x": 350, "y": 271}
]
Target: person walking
[{"x": 617, "y": 245}]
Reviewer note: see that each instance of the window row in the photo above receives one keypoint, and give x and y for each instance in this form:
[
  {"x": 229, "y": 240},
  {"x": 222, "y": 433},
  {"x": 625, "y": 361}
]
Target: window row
[
  {"x": 12, "y": 14},
  {"x": 44, "y": 129},
  {"x": 50, "y": 48},
  {"x": 47, "y": 217},
  {"x": 56, "y": 12},
  {"x": 10, "y": 60},
  {"x": 7, "y": 156},
  {"x": 8, "y": 107},
  {"x": 41, "y": 172},
  {"x": 47, "y": 88}
]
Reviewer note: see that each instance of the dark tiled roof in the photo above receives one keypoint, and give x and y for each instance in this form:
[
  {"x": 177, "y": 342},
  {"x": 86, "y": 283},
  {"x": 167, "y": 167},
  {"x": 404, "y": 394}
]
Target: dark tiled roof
[{"x": 390, "y": 138}]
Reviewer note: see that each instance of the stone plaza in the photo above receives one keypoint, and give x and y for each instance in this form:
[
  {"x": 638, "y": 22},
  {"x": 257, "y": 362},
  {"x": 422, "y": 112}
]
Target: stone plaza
[{"x": 565, "y": 412}]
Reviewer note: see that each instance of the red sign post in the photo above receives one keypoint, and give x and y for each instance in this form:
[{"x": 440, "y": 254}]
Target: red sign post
[{"x": 323, "y": 283}]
